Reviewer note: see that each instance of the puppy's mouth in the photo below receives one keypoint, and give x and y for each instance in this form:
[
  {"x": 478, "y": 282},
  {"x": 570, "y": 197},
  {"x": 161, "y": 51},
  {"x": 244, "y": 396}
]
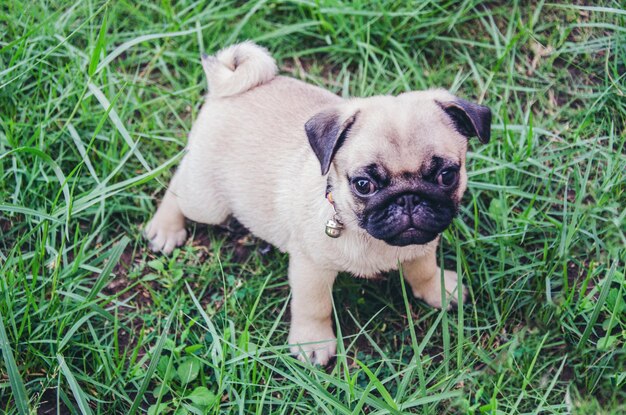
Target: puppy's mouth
[
  {"x": 399, "y": 226},
  {"x": 411, "y": 236}
]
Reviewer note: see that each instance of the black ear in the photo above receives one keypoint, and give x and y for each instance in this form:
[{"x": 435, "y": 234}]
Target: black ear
[
  {"x": 471, "y": 120},
  {"x": 326, "y": 132}
]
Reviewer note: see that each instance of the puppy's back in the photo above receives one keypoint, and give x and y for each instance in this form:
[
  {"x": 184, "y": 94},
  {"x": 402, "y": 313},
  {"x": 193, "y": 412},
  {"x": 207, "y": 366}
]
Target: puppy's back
[{"x": 237, "y": 69}]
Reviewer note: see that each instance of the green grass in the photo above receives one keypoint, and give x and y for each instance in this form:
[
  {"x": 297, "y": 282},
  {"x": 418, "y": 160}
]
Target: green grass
[{"x": 96, "y": 100}]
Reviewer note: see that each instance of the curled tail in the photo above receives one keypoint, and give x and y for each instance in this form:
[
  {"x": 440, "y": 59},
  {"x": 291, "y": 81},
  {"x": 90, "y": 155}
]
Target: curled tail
[{"x": 237, "y": 69}]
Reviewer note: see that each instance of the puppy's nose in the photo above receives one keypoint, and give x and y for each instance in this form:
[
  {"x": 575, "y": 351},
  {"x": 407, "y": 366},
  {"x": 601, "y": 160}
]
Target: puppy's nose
[{"x": 408, "y": 200}]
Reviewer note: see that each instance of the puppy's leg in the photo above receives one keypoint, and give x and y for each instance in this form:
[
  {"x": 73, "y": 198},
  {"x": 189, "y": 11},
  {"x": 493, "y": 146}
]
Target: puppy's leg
[
  {"x": 424, "y": 277},
  {"x": 166, "y": 229},
  {"x": 311, "y": 334}
]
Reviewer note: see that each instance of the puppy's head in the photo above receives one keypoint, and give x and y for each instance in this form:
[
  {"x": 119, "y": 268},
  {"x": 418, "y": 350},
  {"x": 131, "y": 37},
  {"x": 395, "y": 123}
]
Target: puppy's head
[{"x": 396, "y": 165}]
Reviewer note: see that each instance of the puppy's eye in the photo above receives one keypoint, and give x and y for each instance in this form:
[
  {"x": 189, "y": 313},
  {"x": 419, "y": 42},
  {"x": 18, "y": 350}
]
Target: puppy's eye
[
  {"x": 448, "y": 177},
  {"x": 363, "y": 186}
]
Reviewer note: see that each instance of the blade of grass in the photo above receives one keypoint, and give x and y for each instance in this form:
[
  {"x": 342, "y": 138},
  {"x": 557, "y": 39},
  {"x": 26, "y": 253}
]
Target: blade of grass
[
  {"x": 599, "y": 304},
  {"x": 15, "y": 379},
  {"x": 100, "y": 41},
  {"x": 393, "y": 407},
  {"x": 114, "y": 257},
  {"x": 416, "y": 349},
  {"x": 117, "y": 122},
  {"x": 153, "y": 362},
  {"x": 129, "y": 44},
  {"x": 79, "y": 395}
]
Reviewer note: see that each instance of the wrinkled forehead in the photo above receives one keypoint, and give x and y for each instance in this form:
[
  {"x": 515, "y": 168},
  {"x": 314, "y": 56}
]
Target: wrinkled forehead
[{"x": 404, "y": 136}]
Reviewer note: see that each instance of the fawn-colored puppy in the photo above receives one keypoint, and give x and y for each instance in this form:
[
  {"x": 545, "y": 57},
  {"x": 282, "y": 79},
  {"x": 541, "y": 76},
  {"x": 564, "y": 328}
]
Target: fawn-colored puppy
[{"x": 357, "y": 185}]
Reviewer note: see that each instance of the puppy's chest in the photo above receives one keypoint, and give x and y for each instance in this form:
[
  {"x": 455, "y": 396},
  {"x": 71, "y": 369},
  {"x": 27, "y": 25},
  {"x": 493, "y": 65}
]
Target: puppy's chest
[{"x": 364, "y": 257}]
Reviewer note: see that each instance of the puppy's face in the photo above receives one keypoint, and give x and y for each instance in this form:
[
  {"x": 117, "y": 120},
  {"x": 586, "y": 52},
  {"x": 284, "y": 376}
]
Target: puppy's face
[
  {"x": 405, "y": 207},
  {"x": 397, "y": 167}
]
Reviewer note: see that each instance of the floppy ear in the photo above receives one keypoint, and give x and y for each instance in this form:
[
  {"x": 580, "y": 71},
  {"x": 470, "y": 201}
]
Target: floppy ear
[
  {"x": 471, "y": 120},
  {"x": 327, "y": 131}
]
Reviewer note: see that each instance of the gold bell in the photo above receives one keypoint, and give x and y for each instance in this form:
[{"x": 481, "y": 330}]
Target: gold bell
[{"x": 334, "y": 228}]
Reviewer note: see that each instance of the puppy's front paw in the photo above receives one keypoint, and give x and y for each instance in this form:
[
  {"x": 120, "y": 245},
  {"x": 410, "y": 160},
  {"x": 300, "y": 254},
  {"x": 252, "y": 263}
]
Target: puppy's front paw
[
  {"x": 430, "y": 290},
  {"x": 313, "y": 342},
  {"x": 164, "y": 235}
]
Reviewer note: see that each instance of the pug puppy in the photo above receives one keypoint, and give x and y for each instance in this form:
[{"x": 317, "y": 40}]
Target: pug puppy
[{"x": 294, "y": 163}]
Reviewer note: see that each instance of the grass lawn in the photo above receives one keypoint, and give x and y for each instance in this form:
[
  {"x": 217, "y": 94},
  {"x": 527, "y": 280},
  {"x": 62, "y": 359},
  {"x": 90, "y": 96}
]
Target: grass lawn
[{"x": 96, "y": 100}]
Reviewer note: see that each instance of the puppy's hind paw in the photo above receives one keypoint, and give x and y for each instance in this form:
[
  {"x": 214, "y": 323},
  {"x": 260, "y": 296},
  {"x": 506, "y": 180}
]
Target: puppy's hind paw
[{"x": 163, "y": 237}]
